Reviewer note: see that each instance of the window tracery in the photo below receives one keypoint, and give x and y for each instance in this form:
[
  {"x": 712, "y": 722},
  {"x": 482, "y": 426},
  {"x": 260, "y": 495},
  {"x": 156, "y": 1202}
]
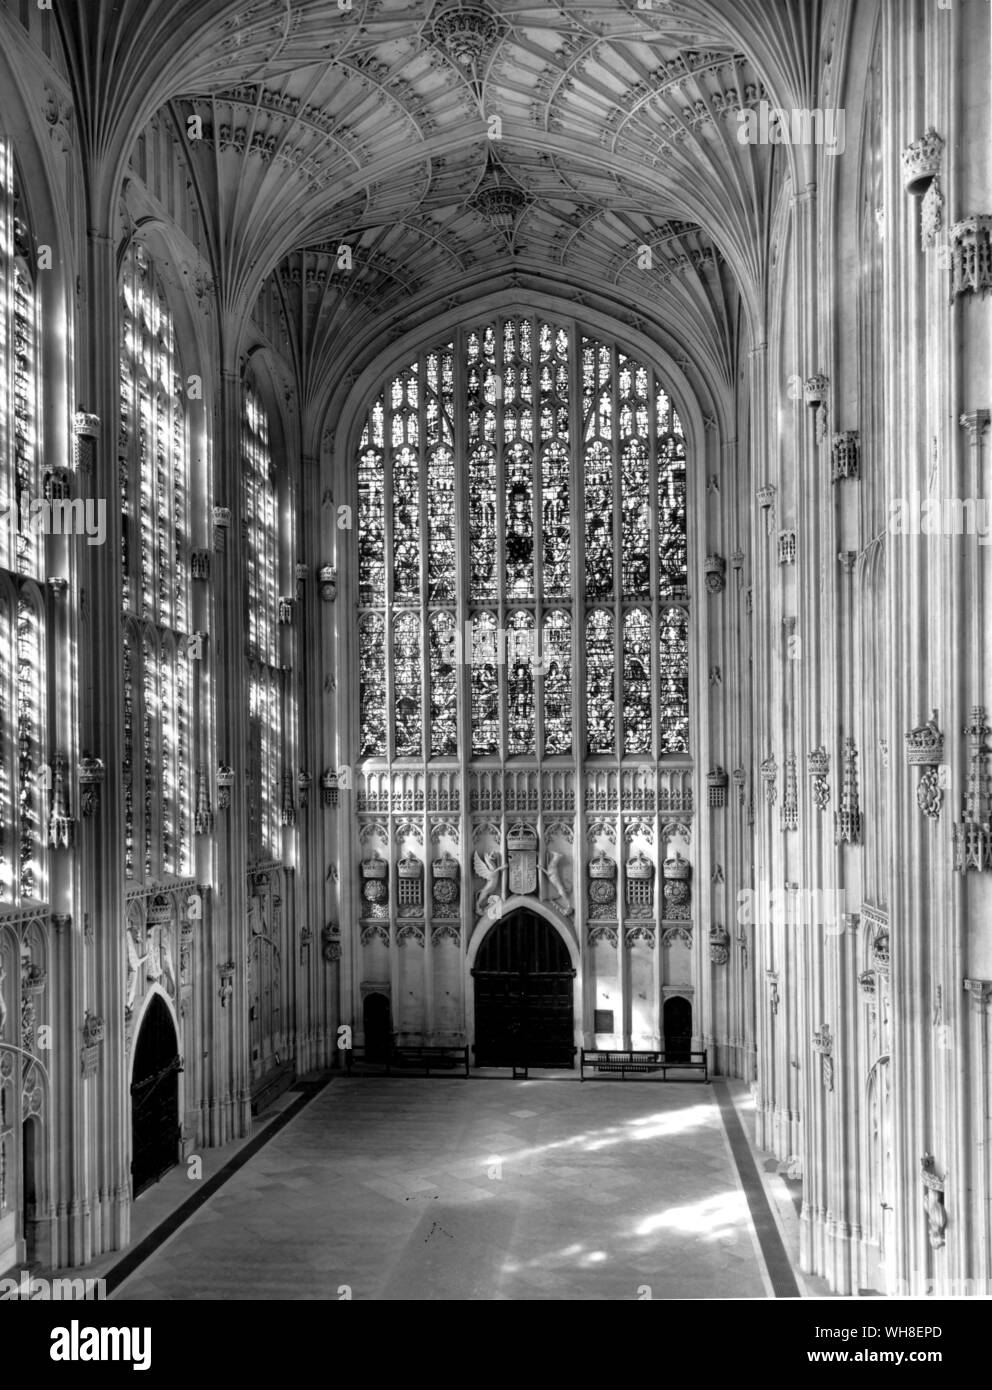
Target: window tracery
[
  {"x": 572, "y": 502},
  {"x": 267, "y": 677},
  {"x": 154, "y": 466},
  {"x": 23, "y": 747}
]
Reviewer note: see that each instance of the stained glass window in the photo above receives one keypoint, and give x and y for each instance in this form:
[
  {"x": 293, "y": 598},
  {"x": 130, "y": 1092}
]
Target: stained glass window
[
  {"x": 267, "y": 674},
  {"x": 30, "y": 748},
  {"x": 444, "y": 685},
  {"x": 24, "y": 794},
  {"x": 561, "y": 470},
  {"x": 153, "y": 454},
  {"x": 486, "y": 662},
  {"x": 674, "y": 681},
  {"x": 600, "y": 682}
]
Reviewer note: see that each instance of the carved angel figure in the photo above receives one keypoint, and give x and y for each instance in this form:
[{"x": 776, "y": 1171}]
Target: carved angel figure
[
  {"x": 488, "y": 869},
  {"x": 134, "y": 964},
  {"x": 552, "y": 872}
]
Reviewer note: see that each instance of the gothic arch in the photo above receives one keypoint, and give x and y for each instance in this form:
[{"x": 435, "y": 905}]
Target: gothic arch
[
  {"x": 153, "y": 991},
  {"x": 558, "y": 920},
  {"x": 349, "y": 404},
  {"x": 565, "y": 930}
]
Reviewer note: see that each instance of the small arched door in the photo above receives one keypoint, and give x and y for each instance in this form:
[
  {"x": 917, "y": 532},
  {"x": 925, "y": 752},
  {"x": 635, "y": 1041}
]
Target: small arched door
[
  {"x": 154, "y": 1098},
  {"x": 523, "y": 995},
  {"x": 376, "y": 1024},
  {"x": 678, "y": 1029}
]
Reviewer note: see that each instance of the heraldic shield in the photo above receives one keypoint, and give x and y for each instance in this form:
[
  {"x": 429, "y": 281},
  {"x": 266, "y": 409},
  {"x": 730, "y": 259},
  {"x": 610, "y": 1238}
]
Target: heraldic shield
[{"x": 521, "y": 851}]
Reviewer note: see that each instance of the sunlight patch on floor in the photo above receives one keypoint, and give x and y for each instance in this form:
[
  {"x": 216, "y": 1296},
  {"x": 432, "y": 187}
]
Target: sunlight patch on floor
[{"x": 713, "y": 1217}]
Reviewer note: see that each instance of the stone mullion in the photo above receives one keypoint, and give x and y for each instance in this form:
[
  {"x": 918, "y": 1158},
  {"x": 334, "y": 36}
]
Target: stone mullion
[
  {"x": 581, "y": 849},
  {"x": 463, "y": 648}
]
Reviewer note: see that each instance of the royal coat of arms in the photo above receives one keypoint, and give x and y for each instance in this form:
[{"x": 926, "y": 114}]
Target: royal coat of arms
[{"x": 521, "y": 851}]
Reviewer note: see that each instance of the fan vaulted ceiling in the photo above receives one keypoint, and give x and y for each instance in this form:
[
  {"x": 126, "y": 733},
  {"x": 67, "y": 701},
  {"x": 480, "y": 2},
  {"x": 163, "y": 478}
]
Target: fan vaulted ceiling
[{"x": 605, "y": 128}]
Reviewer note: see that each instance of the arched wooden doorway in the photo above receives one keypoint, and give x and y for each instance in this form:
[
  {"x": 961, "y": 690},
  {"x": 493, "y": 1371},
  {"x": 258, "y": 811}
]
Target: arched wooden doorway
[
  {"x": 524, "y": 995},
  {"x": 678, "y": 1029},
  {"x": 154, "y": 1097}
]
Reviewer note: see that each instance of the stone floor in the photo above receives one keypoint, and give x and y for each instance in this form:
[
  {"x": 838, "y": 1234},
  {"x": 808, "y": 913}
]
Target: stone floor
[{"x": 483, "y": 1189}]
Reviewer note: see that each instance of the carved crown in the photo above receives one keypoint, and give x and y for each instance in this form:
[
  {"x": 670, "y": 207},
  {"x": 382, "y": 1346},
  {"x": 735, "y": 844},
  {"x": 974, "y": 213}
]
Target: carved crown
[
  {"x": 410, "y": 867},
  {"x": 521, "y": 836},
  {"x": 921, "y": 163},
  {"x": 602, "y": 866},
  {"x": 91, "y": 772},
  {"x": 818, "y": 762},
  {"x": 925, "y": 745},
  {"x": 717, "y": 778},
  {"x": 376, "y": 867},
  {"x": 86, "y": 425},
  {"x": 677, "y": 868},
  {"x": 640, "y": 866},
  {"x": 446, "y": 866},
  {"x": 159, "y": 910}
]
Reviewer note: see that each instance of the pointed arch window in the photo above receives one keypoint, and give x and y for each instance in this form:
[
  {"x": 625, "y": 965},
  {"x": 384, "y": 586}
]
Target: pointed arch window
[
  {"x": 25, "y": 772},
  {"x": 267, "y": 676},
  {"x": 154, "y": 466},
  {"x": 21, "y": 543},
  {"x": 522, "y": 493}
]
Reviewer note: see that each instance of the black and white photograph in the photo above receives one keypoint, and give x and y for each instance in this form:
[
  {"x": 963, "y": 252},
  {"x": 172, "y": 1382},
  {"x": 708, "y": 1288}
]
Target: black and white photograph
[{"x": 495, "y": 670}]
